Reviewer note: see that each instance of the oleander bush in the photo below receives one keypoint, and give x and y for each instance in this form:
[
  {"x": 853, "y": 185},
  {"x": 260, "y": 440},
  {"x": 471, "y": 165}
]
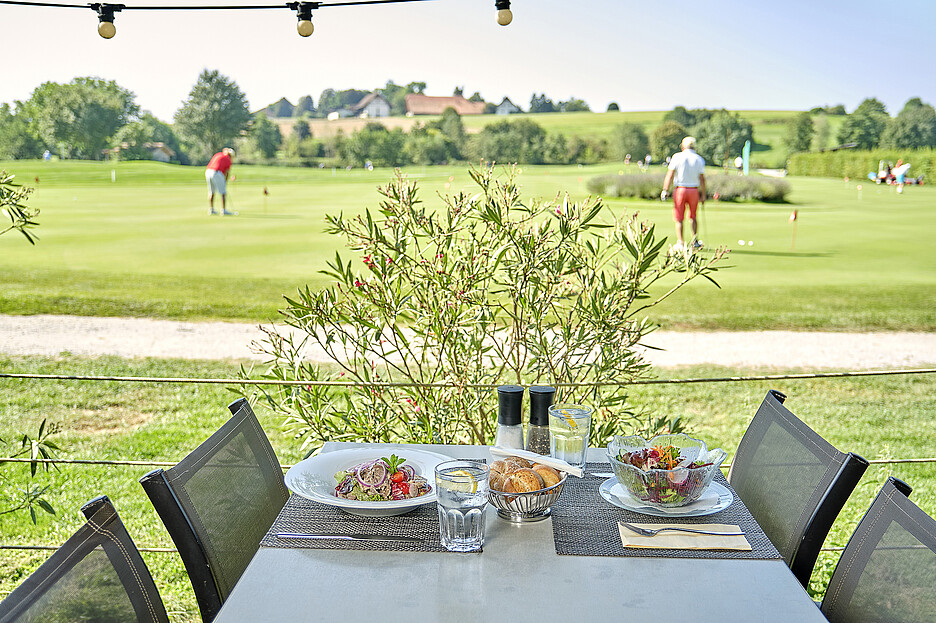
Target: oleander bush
[
  {"x": 727, "y": 187},
  {"x": 489, "y": 288},
  {"x": 857, "y": 164}
]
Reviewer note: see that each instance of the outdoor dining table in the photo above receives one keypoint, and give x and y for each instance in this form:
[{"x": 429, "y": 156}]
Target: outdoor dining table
[{"x": 517, "y": 577}]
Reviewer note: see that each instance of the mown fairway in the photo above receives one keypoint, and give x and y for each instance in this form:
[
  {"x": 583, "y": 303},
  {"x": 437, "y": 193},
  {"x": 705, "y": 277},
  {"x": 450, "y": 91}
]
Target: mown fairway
[{"x": 145, "y": 246}]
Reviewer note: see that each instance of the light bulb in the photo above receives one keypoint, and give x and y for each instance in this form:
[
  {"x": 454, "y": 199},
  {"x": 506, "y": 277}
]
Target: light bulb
[
  {"x": 107, "y": 29},
  {"x": 305, "y": 27},
  {"x": 504, "y": 17}
]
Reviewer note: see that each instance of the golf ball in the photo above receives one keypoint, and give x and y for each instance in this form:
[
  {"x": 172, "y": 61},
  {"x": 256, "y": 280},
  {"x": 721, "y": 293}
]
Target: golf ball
[
  {"x": 741, "y": 243},
  {"x": 750, "y": 243}
]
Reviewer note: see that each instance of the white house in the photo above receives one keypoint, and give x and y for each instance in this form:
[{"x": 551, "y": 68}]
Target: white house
[
  {"x": 507, "y": 108},
  {"x": 372, "y": 105}
]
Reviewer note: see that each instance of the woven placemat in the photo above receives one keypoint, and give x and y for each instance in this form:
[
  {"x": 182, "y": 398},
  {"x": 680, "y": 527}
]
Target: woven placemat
[{"x": 584, "y": 524}]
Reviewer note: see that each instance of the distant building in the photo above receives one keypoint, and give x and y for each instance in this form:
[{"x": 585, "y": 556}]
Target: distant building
[
  {"x": 507, "y": 108},
  {"x": 160, "y": 151},
  {"x": 371, "y": 105},
  {"x": 418, "y": 104},
  {"x": 280, "y": 109}
]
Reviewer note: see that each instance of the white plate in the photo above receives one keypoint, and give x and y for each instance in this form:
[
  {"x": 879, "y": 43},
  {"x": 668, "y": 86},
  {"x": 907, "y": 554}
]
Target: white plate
[
  {"x": 716, "y": 498},
  {"x": 314, "y": 478}
]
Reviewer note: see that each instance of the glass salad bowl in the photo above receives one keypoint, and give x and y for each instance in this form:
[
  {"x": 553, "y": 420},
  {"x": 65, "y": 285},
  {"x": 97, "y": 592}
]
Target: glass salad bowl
[{"x": 666, "y": 471}]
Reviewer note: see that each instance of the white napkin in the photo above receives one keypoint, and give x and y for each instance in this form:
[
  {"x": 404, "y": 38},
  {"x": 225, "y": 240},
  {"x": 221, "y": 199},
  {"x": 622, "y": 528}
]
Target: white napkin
[
  {"x": 708, "y": 499},
  {"x": 559, "y": 464}
]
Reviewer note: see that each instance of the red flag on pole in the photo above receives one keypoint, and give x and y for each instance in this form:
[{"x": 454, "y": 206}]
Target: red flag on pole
[{"x": 793, "y": 216}]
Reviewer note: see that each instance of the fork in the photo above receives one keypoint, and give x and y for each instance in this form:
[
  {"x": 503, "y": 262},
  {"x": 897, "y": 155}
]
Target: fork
[{"x": 647, "y": 532}]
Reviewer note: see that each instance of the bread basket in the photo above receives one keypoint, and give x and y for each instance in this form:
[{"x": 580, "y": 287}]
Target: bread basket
[{"x": 526, "y": 507}]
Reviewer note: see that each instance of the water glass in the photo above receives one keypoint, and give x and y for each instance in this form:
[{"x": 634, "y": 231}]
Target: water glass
[
  {"x": 569, "y": 427},
  {"x": 462, "y": 490}
]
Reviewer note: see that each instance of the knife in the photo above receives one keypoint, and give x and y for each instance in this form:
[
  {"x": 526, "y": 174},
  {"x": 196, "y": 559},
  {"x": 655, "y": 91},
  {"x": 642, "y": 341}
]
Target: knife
[{"x": 350, "y": 537}]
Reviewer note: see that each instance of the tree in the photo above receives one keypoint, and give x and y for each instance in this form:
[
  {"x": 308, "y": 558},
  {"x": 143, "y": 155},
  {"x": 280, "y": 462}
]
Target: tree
[
  {"x": 613, "y": 107},
  {"x": 16, "y": 141},
  {"x": 913, "y": 128},
  {"x": 863, "y": 128},
  {"x": 665, "y": 139},
  {"x": 722, "y": 136},
  {"x": 510, "y": 141},
  {"x": 541, "y": 103},
  {"x": 681, "y": 116},
  {"x": 459, "y": 92},
  {"x": 133, "y": 138},
  {"x": 630, "y": 138},
  {"x": 799, "y": 133},
  {"x": 476, "y": 97},
  {"x": 79, "y": 117},
  {"x": 328, "y": 102},
  {"x": 300, "y": 129},
  {"x": 304, "y": 106},
  {"x": 214, "y": 114},
  {"x": 822, "y": 134},
  {"x": 396, "y": 95},
  {"x": 265, "y": 136},
  {"x": 450, "y": 124},
  {"x": 871, "y": 106},
  {"x": 574, "y": 105}
]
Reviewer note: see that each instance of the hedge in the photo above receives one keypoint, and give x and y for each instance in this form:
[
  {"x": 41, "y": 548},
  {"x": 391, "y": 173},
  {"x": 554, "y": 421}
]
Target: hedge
[
  {"x": 857, "y": 164},
  {"x": 728, "y": 187}
]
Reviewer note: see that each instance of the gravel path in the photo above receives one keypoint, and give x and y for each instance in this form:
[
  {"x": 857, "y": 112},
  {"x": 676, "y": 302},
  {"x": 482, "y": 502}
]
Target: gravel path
[{"x": 136, "y": 337}]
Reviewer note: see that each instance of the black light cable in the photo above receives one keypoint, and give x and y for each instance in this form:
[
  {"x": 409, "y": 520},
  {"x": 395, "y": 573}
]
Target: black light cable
[{"x": 105, "y": 12}]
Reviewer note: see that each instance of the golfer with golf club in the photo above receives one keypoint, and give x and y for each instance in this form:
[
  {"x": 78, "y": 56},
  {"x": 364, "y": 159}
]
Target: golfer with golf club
[
  {"x": 688, "y": 169},
  {"x": 217, "y": 174}
]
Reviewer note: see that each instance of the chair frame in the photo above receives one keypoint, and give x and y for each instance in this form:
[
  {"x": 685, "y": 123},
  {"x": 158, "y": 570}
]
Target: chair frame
[
  {"x": 180, "y": 526},
  {"x": 102, "y": 520},
  {"x": 845, "y": 577},
  {"x": 805, "y": 551}
]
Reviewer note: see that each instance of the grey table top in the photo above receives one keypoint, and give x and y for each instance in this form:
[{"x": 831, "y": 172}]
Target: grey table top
[{"x": 519, "y": 577}]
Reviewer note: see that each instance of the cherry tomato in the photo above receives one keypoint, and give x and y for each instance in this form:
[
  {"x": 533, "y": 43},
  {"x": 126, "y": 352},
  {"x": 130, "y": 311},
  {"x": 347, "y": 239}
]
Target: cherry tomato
[{"x": 397, "y": 477}]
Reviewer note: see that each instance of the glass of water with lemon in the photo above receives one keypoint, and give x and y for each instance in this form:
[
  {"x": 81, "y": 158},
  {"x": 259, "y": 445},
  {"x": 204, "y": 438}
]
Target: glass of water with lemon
[
  {"x": 569, "y": 426},
  {"x": 462, "y": 491}
]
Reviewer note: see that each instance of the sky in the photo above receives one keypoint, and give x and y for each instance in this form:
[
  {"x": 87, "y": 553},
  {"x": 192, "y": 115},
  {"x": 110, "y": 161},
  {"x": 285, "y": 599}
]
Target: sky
[{"x": 735, "y": 54}]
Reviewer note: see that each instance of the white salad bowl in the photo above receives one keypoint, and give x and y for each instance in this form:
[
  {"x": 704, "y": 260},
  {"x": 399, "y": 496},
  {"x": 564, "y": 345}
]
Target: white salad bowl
[{"x": 314, "y": 478}]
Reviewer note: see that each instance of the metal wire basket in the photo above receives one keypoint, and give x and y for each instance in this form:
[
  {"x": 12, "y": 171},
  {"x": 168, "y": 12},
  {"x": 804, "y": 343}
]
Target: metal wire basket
[{"x": 526, "y": 507}]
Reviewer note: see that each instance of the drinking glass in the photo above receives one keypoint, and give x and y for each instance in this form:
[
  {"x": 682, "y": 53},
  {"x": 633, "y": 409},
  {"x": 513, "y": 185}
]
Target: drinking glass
[
  {"x": 569, "y": 427},
  {"x": 462, "y": 491}
]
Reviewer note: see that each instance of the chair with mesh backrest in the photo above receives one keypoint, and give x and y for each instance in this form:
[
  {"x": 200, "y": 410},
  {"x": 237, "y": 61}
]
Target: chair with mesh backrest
[
  {"x": 97, "y": 575},
  {"x": 793, "y": 481},
  {"x": 887, "y": 573},
  {"x": 218, "y": 503}
]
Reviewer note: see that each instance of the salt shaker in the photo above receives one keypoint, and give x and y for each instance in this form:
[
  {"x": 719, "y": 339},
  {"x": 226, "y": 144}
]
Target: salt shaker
[
  {"x": 541, "y": 397},
  {"x": 509, "y": 419}
]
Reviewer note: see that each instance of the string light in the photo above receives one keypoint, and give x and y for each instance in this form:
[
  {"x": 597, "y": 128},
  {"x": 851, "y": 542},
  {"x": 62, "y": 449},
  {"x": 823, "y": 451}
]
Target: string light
[
  {"x": 504, "y": 16},
  {"x": 105, "y": 12},
  {"x": 304, "y": 13}
]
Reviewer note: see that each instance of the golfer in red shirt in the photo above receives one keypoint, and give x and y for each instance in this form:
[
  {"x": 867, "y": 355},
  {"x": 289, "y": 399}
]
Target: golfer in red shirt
[
  {"x": 216, "y": 174},
  {"x": 688, "y": 168}
]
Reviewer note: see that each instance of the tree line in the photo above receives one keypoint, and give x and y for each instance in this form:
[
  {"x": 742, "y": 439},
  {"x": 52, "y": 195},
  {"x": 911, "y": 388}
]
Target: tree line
[{"x": 868, "y": 127}]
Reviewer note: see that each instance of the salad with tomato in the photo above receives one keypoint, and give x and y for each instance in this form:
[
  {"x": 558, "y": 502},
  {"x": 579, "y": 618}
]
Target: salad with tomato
[{"x": 381, "y": 480}]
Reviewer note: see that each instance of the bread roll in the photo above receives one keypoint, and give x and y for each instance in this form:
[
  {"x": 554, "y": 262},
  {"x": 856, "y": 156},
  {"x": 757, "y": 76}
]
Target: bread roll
[
  {"x": 523, "y": 480},
  {"x": 498, "y": 467},
  {"x": 518, "y": 461},
  {"x": 549, "y": 475},
  {"x": 496, "y": 481}
]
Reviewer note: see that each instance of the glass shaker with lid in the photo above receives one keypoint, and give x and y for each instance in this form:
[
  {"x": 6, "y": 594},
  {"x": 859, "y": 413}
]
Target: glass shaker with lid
[
  {"x": 509, "y": 418},
  {"x": 541, "y": 397}
]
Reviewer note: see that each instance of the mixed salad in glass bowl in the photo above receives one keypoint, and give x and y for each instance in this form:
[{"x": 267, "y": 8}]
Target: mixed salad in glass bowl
[{"x": 666, "y": 471}]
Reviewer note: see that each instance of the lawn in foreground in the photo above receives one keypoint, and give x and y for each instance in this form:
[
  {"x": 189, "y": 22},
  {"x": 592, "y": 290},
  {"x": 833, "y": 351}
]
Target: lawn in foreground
[
  {"x": 877, "y": 417},
  {"x": 144, "y": 245}
]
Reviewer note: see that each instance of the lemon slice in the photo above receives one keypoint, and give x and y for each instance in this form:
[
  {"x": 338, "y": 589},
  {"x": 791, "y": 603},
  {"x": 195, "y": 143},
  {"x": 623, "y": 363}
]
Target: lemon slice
[
  {"x": 463, "y": 481},
  {"x": 568, "y": 418}
]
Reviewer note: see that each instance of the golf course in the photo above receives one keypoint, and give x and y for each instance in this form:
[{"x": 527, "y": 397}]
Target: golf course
[{"x": 135, "y": 239}]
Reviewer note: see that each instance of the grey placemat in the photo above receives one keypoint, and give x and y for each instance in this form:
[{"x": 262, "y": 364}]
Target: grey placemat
[
  {"x": 584, "y": 524},
  {"x": 305, "y": 516}
]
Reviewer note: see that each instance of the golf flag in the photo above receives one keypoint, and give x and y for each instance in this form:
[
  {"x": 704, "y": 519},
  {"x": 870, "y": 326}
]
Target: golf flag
[
  {"x": 793, "y": 216},
  {"x": 746, "y": 154},
  {"x": 265, "y": 191}
]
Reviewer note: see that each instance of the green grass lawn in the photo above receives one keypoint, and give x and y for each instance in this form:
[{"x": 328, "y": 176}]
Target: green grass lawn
[
  {"x": 144, "y": 245},
  {"x": 877, "y": 417}
]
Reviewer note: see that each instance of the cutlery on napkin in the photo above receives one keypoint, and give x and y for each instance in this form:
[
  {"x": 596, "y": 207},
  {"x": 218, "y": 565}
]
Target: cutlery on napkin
[
  {"x": 349, "y": 537},
  {"x": 559, "y": 464},
  {"x": 685, "y": 540}
]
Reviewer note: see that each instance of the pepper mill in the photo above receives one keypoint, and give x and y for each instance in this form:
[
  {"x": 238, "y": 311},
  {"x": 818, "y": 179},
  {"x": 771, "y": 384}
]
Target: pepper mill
[
  {"x": 541, "y": 397},
  {"x": 509, "y": 418}
]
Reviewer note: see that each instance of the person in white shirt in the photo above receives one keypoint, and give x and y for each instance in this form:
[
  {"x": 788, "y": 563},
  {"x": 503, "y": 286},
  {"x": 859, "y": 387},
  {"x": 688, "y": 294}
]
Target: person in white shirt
[{"x": 688, "y": 169}]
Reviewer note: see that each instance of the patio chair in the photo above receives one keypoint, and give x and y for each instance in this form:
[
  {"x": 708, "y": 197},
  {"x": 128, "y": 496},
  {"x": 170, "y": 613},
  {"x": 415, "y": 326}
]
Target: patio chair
[
  {"x": 97, "y": 575},
  {"x": 218, "y": 503},
  {"x": 793, "y": 481},
  {"x": 888, "y": 569}
]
